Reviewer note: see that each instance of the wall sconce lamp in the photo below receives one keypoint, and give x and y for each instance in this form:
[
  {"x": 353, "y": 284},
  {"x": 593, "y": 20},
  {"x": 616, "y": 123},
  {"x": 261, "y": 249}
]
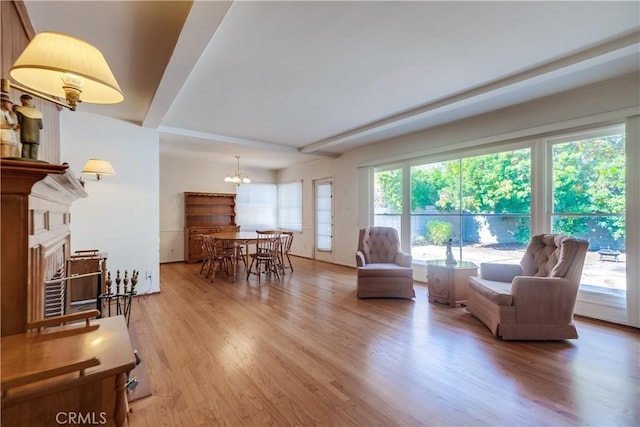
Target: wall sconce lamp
[
  {"x": 66, "y": 67},
  {"x": 237, "y": 178},
  {"x": 98, "y": 168}
]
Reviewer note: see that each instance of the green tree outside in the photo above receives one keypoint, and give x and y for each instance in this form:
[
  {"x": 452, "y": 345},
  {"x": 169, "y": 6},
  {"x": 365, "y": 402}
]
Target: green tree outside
[{"x": 588, "y": 178}]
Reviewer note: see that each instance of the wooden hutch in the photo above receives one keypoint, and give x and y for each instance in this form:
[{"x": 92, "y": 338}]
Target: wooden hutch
[{"x": 204, "y": 213}]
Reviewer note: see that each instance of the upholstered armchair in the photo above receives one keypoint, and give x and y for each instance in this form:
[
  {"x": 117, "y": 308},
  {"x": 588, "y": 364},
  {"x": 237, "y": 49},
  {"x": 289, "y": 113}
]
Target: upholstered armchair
[
  {"x": 384, "y": 271},
  {"x": 535, "y": 299}
]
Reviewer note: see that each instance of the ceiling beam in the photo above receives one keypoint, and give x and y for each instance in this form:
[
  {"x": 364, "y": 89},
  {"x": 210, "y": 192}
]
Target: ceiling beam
[
  {"x": 198, "y": 30},
  {"x": 623, "y": 46},
  {"x": 228, "y": 139}
]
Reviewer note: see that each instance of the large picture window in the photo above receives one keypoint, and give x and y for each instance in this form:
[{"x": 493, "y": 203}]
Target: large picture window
[
  {"x": 488, "y": 206},
  {"x": 387, "y": 205},
  {"x": 588, "y": 188},
  {"x": 482, "y": 203}
]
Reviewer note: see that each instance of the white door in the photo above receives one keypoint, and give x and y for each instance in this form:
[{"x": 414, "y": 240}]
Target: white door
[{"x": 323, "y": 246}]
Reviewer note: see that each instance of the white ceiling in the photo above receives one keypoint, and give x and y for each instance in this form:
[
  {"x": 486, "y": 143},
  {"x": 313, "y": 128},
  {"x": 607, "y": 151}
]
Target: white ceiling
[{"x": 285, "y": 82}]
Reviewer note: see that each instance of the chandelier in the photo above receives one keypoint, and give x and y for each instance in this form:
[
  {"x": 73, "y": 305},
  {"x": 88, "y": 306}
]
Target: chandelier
[{"x": 237, "y": 178}]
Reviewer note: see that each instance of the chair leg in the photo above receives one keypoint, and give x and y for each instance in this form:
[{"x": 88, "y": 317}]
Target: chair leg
[
  {"x": 272, "y": 266},
  {"x": 241, "y": 256},
  {"x": 289, "y": 259},
  {"x": 206, "y": 268},
  {"x": 258, "y": 272},
  {"x": 212, "y": 273},
  {"x": 267, "y": 266},
  {"x": 250, "y": 268}
]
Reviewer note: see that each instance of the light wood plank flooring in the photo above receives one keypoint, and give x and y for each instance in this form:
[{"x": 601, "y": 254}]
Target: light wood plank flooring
[{"x": 305, "y": 351}]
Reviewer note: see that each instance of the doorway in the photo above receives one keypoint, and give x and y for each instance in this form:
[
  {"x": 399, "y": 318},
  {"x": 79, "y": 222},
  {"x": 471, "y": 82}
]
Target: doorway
[{"x": 323, "y": 241}]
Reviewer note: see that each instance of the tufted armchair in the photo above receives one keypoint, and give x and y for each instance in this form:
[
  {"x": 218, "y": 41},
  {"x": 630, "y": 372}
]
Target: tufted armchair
[
  {"x": 533, "y": 300},
  {"x": 384, "y": 271}
]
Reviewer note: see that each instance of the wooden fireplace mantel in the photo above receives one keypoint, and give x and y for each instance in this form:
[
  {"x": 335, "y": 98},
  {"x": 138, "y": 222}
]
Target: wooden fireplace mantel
[{"x": 34, "y": 223}]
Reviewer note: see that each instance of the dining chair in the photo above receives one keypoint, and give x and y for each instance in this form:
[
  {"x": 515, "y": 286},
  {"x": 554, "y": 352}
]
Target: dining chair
[
  {"x": 217, "y": 256},
  {"x": 207, "y": 255},
  {"x": 286, "y": 241},
  {"x": 223, "y": 256},
  {"x": 240, "y": 248},
  {"x": 265, "y": 259}
]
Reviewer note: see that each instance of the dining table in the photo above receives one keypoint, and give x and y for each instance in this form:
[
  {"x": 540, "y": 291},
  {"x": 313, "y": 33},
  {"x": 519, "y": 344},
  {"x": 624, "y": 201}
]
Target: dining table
[{"x": 239, "y": 239}]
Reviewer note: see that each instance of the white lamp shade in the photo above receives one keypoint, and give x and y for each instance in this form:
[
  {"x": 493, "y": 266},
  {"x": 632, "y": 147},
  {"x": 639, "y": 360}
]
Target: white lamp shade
[
  {"x": 98, "y": 167},
  {"x": 51, "y": 57}
]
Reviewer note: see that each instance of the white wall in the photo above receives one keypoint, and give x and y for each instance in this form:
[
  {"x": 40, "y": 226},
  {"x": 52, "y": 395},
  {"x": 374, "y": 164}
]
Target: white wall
[
  {"x": 190, "y": 172},
  {"x": 120, "y": 216}
]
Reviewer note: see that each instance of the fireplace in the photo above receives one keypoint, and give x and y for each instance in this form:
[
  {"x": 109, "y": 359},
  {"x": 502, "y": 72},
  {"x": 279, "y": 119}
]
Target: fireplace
[{"x": 36, "y": 237}]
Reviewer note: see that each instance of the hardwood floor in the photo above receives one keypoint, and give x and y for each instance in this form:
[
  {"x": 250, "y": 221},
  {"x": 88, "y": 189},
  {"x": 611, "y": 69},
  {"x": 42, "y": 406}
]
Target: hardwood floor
[{"x": 306, "y": 351}]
